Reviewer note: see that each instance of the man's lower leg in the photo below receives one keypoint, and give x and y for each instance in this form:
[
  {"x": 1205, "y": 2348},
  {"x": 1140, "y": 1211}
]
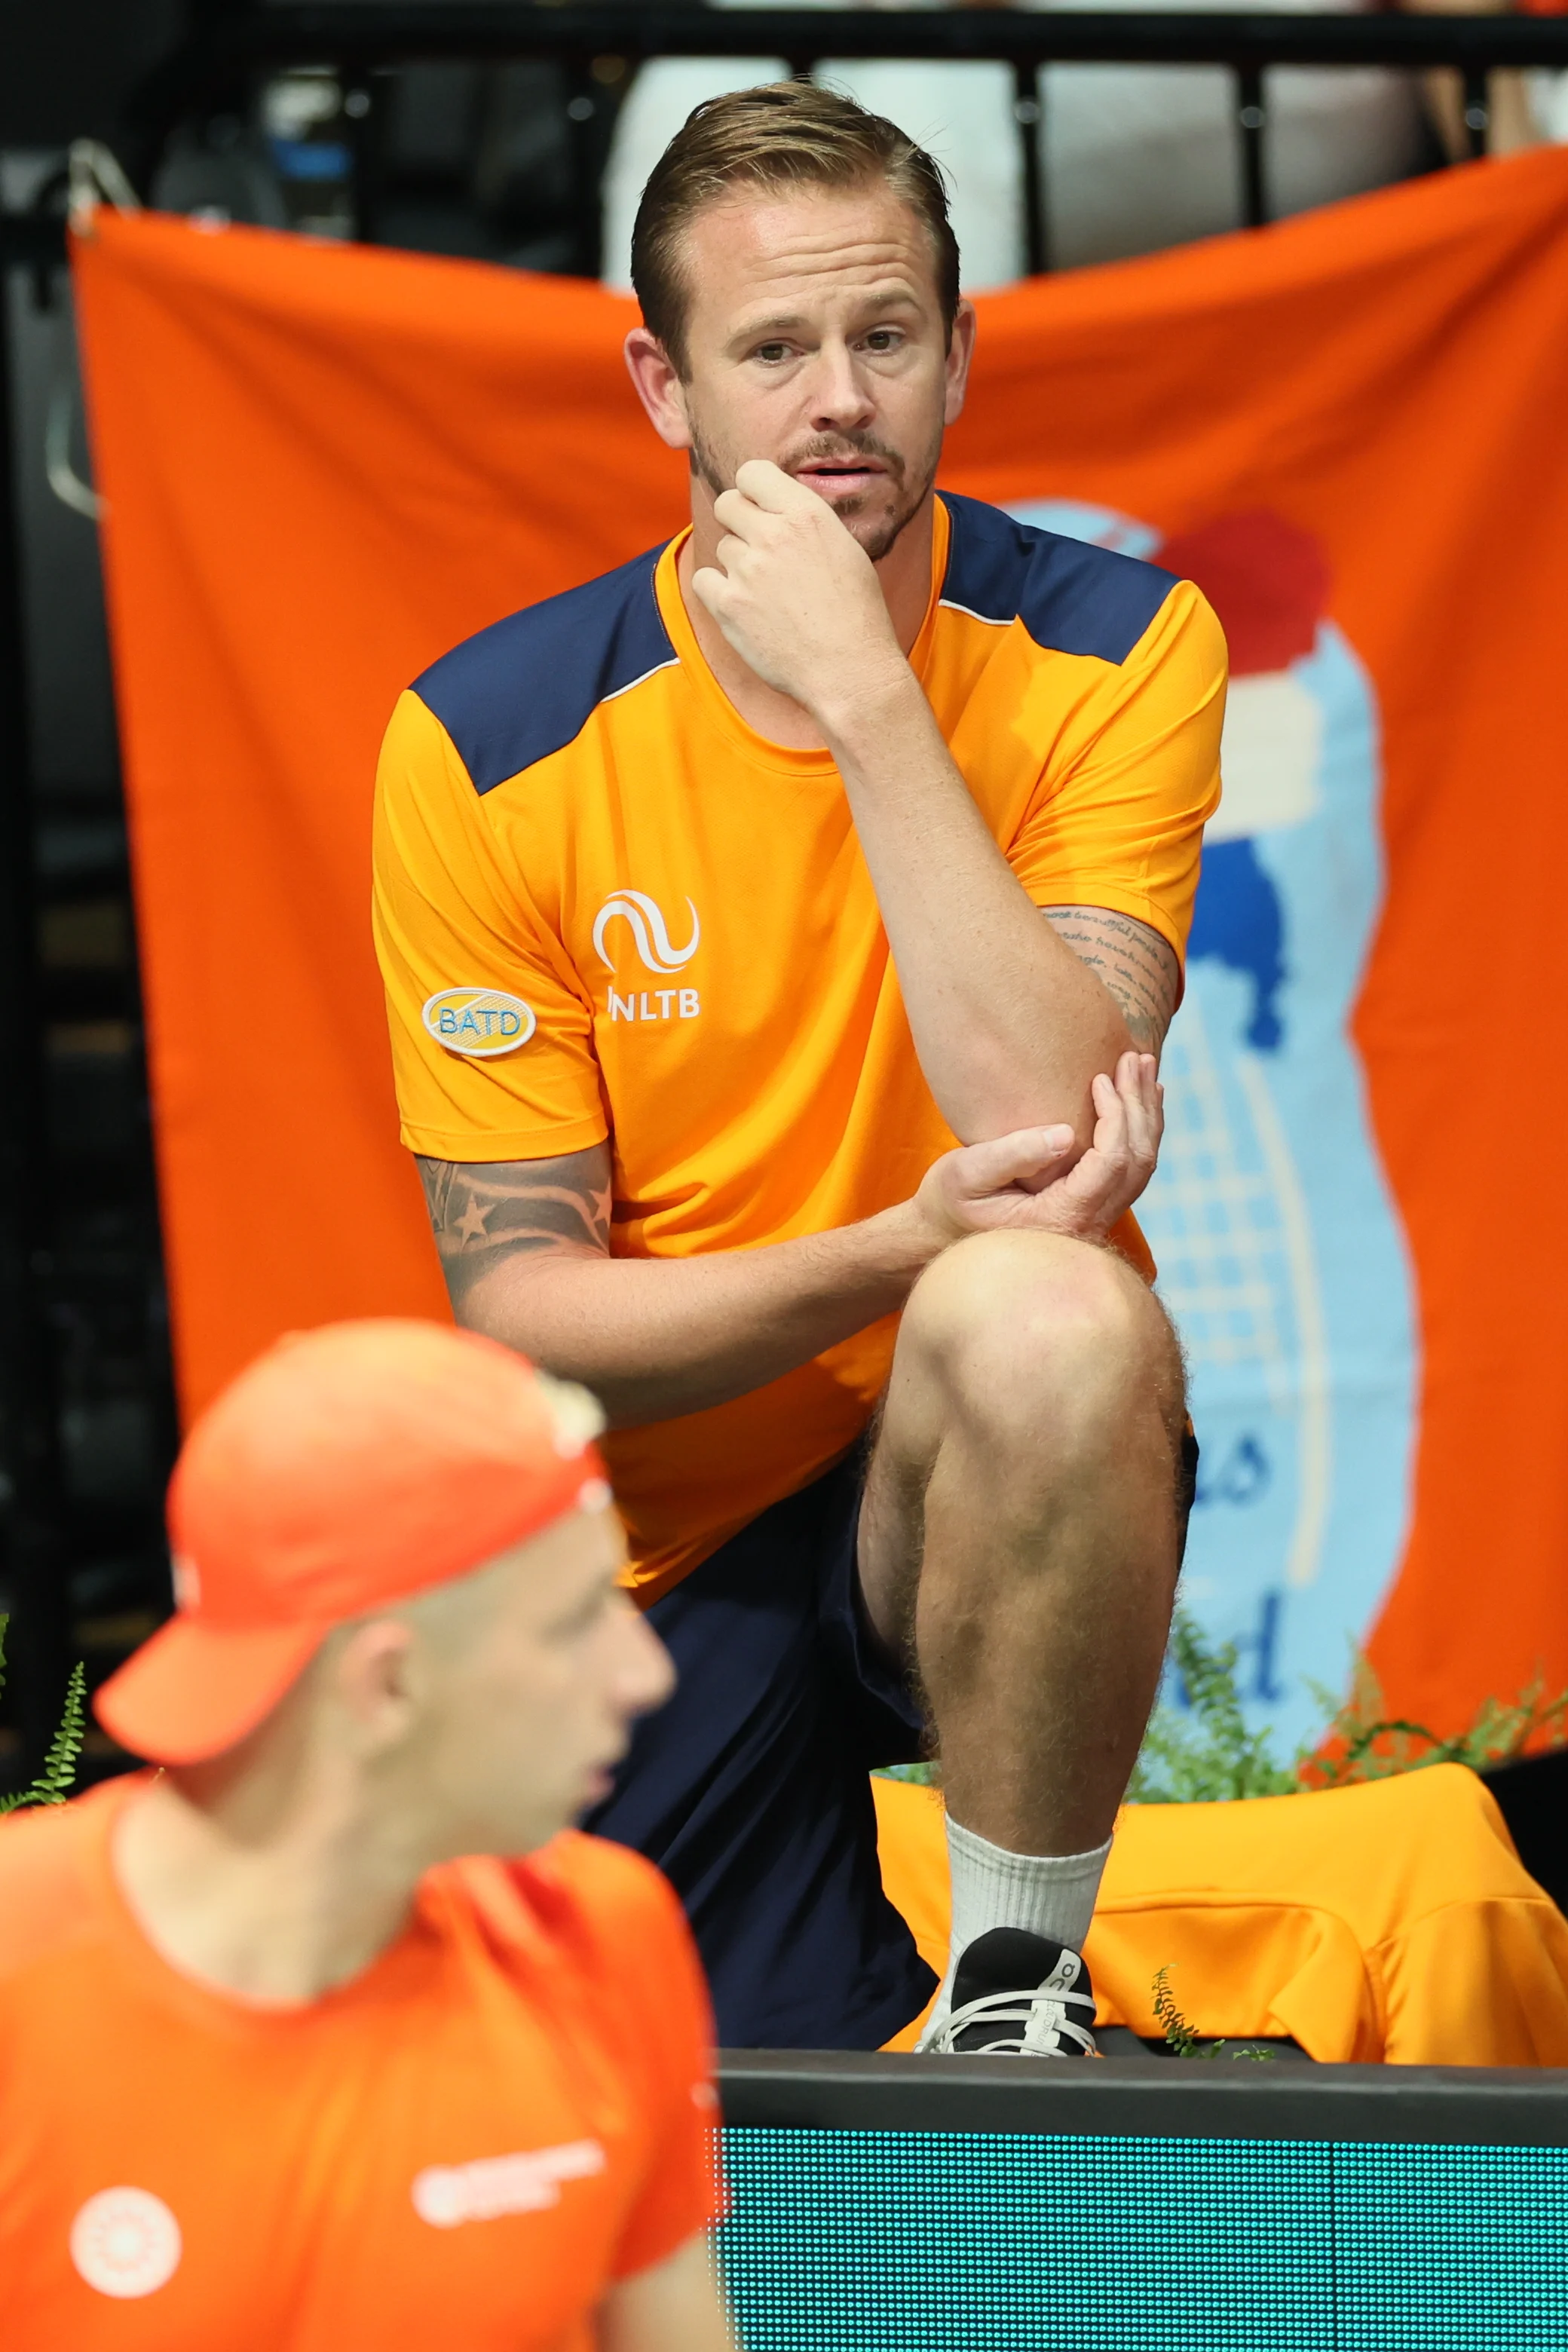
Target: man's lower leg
[
  {"x": 1039, "y": 1633},
  {"x": 1047, "y": 1572}
]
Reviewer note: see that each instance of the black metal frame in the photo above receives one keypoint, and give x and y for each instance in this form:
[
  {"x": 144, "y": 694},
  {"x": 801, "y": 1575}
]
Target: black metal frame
[
  {"x": 37, "y": 1643},
  {"x": 360, "y": 39},
  {"x": 1467, "y": 2107},
  {"x": 232, "y": 41}
]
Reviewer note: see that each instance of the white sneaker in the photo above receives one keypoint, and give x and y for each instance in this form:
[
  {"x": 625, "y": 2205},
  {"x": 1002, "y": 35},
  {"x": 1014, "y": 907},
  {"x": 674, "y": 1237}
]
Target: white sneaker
[{"x": 1015, "y": 1995}]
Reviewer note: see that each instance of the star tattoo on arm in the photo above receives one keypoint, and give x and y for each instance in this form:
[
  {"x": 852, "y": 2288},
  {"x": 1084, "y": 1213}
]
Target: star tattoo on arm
[
  {"x": 471, "y": 1226},
  {"x": 485, "y": 1213},
  {"x": 1131, "y": 960}
]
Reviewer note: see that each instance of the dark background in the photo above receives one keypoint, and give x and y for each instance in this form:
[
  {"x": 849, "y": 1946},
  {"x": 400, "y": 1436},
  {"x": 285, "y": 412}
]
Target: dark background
[
  {"x": 67, "y": 70},
  {"x": 475, "y": 159}
]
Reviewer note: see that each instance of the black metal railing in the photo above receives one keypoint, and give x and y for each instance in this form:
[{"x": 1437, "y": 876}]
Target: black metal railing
[
  {"x": 363, "y": 38},
  {"x": 233, "y": 43}
]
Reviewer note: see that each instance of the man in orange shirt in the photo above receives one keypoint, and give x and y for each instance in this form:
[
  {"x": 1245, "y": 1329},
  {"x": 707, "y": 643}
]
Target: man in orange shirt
[
  {"x": 279, "y": 2070},
  {"x": 778, "y": 936}
]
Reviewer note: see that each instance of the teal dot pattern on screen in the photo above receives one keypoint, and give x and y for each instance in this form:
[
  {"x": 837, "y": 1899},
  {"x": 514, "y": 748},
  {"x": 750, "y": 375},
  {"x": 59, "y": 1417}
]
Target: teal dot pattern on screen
[{"x": 937, "y": 2242}]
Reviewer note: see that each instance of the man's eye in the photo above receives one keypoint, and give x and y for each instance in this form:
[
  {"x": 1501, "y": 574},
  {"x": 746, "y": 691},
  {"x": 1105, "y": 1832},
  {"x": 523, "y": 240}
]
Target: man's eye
[
  {"x": 883, "y": 339},
  {"x": 582, "y": 1621},
  {"x": 772, "y": 353}
]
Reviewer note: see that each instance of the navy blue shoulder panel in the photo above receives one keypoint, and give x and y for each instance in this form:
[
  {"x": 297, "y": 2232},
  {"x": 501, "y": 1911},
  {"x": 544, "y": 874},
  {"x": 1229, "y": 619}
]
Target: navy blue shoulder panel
[
  {"x": 529, "y": 685},
  {"x": 1071, "y": 598}
]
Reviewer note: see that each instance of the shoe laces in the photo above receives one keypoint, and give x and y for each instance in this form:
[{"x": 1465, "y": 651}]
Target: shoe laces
[{"x": 1048, "y": 2030}]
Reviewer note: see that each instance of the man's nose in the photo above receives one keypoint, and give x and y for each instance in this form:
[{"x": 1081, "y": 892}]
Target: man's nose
[
  {"x": 839, "y": 394},
  {"x": 646, "y": 1674}
]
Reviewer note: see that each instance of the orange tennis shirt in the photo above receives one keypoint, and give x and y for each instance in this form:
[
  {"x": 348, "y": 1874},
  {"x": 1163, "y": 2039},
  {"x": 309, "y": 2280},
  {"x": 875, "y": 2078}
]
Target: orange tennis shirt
[
  {"x": 605, "y": 906},
  {"x": 465, "y": 2145}
]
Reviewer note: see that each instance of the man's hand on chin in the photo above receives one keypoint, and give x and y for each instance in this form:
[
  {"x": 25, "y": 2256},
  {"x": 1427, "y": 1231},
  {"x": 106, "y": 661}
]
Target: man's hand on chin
[{"x": 796, "y": 594}]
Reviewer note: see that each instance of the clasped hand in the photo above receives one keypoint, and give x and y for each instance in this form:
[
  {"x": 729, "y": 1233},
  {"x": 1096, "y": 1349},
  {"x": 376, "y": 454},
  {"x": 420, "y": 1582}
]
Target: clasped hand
[
  {"x": 796, "y": 594},
  {"x": 1030, "y": 1182}
]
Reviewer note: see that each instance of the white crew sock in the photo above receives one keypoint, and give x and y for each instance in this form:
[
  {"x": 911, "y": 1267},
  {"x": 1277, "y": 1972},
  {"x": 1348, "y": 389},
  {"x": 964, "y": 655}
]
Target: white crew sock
[{"x": 1049, "y": 1894}]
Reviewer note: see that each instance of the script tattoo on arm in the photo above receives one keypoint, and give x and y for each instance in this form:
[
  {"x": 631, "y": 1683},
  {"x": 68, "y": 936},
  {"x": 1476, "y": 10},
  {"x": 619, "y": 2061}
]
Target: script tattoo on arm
[
  {"x": 484, "y": 1213},
  {"x": 1135, "y": 964}
]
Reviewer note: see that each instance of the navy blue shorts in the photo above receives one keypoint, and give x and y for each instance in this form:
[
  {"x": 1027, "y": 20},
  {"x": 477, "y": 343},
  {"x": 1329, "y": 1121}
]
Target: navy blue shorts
[{"x": 750, "y": 1788}]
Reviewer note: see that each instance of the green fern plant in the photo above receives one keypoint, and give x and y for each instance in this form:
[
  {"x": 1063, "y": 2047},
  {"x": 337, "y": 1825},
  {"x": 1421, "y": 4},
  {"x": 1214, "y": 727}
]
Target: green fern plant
[
  {"x": 1206, "y": 1754},
  {"x": 1210, "y": 1757},
  {"x": 54, "y": 1782},
  {"x": 1361, "y": 1741},
  {"x": 1182, "y": 2039}
]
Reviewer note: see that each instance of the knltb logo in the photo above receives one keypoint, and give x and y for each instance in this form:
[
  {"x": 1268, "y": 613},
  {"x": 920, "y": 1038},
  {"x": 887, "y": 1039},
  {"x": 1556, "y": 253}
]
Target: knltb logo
[{"x": 644, "y": 918}]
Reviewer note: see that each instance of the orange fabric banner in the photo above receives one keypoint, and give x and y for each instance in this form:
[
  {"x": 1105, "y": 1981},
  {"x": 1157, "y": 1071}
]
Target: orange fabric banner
[{"x": 324, "y": 465}]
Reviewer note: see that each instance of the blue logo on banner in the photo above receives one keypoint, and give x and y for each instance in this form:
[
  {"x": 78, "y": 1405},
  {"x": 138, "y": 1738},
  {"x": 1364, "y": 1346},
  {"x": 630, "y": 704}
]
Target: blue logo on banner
[{"x": 1280, "y": 1252}]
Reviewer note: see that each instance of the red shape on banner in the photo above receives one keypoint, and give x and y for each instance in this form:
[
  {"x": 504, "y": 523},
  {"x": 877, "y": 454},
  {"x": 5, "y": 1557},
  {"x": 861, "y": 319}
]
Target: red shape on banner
[{"x": 1266, "y": 578}]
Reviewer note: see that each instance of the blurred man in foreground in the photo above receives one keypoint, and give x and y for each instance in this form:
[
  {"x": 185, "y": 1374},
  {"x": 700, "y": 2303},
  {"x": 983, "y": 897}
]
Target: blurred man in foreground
[{"x": 279, "y": 2069}]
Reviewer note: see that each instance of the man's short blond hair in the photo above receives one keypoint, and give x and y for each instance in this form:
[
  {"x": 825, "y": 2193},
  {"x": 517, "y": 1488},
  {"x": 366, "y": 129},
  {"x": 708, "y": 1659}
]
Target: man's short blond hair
[{"x": 783, "y": 136}]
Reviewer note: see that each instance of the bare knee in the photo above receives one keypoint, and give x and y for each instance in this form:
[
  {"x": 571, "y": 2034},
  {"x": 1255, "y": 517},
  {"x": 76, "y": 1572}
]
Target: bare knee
[{"x": 1028, "y": 1331}]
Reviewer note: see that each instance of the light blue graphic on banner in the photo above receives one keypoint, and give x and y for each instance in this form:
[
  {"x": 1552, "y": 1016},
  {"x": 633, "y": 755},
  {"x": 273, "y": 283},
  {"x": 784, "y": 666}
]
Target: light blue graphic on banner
[{"x": 1280, "y": 1252}]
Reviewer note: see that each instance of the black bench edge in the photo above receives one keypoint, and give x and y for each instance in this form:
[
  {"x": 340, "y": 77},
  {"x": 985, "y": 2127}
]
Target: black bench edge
[{"x": 1195, "y": 2098}]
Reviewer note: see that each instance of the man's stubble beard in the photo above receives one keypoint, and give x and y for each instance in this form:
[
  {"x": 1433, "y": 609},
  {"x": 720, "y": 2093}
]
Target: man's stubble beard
[{"x": 712, "y": 474}]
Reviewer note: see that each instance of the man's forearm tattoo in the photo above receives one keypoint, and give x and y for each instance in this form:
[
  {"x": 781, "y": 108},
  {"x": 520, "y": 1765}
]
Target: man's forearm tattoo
[
  {"x": 483, "y": 1212},
  {"x": 1135, "y": 964}
]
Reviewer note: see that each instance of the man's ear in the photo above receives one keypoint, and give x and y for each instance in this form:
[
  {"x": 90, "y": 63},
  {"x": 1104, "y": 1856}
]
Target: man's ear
[
  {"x": 960, "y": 353},
  {"x": 658, "y": 387},
  {"x": 378, "y": 1677}
]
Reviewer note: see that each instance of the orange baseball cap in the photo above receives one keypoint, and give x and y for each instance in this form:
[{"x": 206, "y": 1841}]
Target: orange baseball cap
[{"x": 346, "y": 1468}]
